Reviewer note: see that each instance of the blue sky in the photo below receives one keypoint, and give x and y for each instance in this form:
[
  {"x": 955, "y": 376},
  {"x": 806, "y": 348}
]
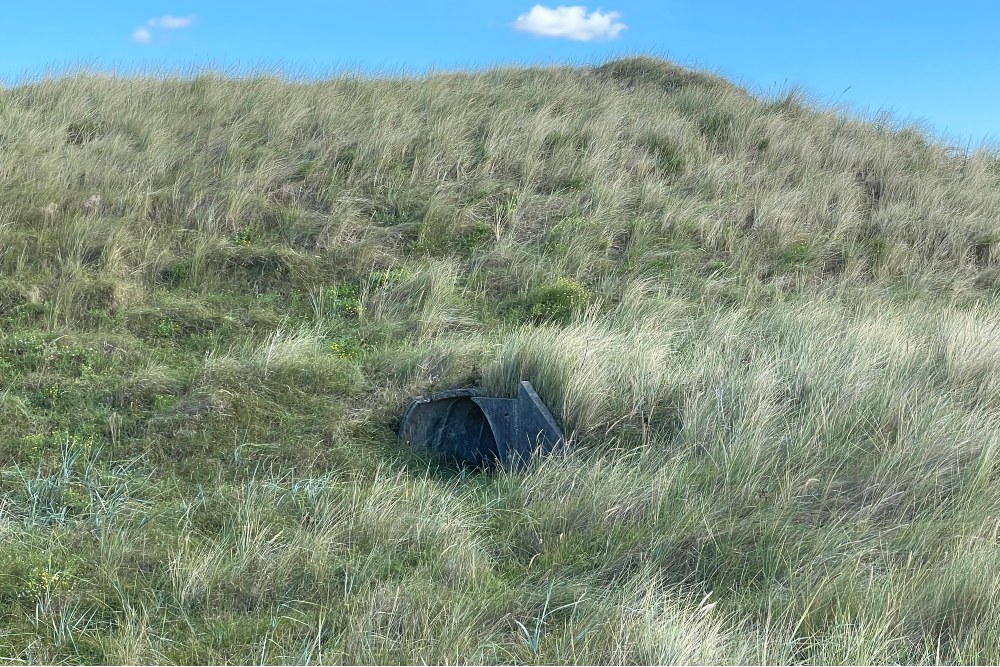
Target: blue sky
[{"x": 935, "y": 62}]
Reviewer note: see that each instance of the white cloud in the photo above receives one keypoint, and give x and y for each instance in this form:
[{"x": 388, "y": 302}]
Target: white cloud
[
  {"x": 142, "y": 36},
  {"x": 570, "y": 23},
  {"x": 170, "y": 22}
]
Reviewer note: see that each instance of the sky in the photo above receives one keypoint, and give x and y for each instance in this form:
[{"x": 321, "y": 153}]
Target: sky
[{"x": 933, "y": 63}]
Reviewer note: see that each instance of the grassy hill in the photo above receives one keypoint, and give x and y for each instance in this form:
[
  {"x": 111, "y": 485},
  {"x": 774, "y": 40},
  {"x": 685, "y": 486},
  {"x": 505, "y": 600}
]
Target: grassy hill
[{"x": 771, "y": 330}]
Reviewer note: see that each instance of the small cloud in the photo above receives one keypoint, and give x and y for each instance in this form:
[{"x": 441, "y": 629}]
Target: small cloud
[
  {"x": 570, "y": 23},
  {"x": 142, "y": 36},
  {"x": 170, "y": 22}
]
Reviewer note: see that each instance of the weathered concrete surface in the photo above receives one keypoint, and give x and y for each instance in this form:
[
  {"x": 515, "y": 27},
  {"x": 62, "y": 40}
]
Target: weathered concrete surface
[{"x": 483, "y": 431}]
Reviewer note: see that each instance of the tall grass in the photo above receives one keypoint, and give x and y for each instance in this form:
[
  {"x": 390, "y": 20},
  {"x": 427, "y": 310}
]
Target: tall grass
[{"x": 768, "y": 329}]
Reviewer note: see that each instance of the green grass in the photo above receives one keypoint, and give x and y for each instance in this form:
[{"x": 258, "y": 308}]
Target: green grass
[{"x": 771, "y": 330}]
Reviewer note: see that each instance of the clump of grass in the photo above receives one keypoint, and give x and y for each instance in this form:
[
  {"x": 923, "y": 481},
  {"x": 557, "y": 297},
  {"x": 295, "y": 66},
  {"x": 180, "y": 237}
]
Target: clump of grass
[
  {"x": 558, "y": 301},
  {"x": 12, "y": 296}
]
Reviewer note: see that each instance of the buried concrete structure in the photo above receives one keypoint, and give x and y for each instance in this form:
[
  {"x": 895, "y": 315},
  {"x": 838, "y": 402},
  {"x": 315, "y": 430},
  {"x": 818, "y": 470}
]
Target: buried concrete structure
[{"x": 482, "y": 431}]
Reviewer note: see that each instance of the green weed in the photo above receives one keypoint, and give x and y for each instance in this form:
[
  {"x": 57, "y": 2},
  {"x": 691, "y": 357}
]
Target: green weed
[{"x": 558, "y": 301}]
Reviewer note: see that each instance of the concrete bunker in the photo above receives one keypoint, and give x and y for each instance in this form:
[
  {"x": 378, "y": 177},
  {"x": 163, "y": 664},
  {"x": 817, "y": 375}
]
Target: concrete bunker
[{"x": 465, "y": 426}]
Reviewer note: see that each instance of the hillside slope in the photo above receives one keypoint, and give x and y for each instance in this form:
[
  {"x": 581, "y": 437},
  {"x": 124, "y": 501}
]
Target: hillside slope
[{"x": 771, "y": 330}]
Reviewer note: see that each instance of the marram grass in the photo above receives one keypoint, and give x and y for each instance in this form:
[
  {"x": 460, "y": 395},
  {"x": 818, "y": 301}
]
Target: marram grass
[{"x": 771, "y": 331}]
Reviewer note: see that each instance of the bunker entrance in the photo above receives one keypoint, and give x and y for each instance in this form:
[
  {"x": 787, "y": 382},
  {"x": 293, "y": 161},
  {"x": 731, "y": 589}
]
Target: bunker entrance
[{"x": 464, "y": 426}]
